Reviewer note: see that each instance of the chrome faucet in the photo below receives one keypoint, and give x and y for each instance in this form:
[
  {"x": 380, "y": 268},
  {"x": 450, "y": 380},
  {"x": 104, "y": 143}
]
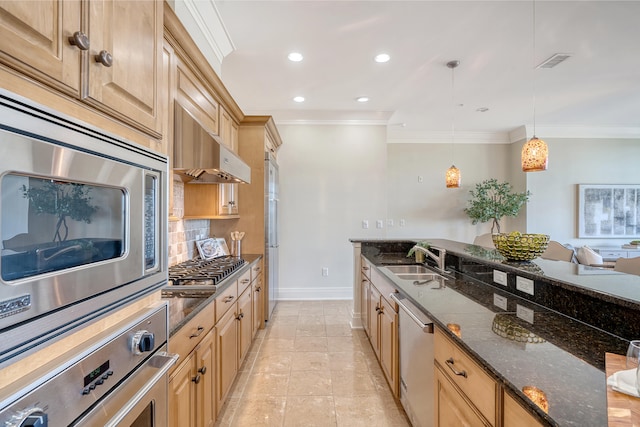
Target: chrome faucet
[{"x": 439, "y": 259}]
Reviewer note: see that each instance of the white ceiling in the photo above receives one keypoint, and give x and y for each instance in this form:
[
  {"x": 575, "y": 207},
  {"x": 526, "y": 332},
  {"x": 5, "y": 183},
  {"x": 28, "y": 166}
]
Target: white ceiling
[{"x": 596, "y": 92}]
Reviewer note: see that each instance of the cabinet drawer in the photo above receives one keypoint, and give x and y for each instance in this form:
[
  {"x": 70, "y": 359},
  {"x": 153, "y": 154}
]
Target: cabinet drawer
[
  {"x": 478, "y": 387},
  {"x": 244, "y": 281},
  {"x": 190, "y": 335},
  {"x": 256, "y": 270},
  {"x": 226, "y": 300}
]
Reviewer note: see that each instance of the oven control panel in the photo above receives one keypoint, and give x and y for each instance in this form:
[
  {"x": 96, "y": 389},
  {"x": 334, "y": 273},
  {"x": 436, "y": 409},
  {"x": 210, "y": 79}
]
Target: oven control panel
[{"x": 76, "y": 385}]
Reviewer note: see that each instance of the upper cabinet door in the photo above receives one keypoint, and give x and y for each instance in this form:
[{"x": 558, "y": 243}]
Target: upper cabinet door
[
  {"x": 34, "y": 40},
  {"x": 125, "y": 61}
]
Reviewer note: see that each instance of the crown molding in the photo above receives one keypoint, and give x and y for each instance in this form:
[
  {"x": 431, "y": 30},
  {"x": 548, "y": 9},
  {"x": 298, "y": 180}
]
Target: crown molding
[
  {"x": 203, "y": 22},
  {"x": 581, "y": 132},
  {"x": 444, "y": 137}
]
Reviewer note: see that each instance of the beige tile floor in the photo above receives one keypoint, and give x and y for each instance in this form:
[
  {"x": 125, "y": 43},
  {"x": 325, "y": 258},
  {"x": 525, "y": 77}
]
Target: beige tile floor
[{"x": 309, "y": 368}]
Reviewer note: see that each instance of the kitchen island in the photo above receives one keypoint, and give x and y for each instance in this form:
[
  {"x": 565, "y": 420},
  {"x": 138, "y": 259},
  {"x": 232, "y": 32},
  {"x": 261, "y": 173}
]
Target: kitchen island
[{"x": 554, "y": 340}]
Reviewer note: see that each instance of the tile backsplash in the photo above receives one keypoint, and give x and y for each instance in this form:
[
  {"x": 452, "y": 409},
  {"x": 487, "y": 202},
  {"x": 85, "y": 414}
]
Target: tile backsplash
[{"x": 184, "y": 233}]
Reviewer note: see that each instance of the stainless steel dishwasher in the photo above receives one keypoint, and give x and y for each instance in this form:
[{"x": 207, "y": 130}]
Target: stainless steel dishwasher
[{"x": 416, "y": 362}]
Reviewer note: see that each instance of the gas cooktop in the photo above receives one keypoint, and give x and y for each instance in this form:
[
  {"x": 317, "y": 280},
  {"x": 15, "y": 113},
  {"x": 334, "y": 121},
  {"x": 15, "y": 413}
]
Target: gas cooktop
[{"x": 201, "y": 272}]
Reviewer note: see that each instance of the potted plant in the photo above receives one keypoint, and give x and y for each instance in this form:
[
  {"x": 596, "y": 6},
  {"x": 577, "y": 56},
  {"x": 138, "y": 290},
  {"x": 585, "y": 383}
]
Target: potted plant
[
  {"x": 491, "y": 200},
  {"x": 419, "y": 255}
]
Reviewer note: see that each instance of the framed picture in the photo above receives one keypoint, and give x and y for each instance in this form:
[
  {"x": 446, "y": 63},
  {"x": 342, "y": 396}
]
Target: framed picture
[
  {"x": 209, "y": 248},
  {"x": 608, "y": 211},
  {"x": 222, "y": 244}
]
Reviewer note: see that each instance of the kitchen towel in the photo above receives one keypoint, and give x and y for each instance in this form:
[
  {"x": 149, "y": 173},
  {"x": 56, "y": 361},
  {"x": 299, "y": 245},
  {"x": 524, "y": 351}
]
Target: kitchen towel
[{"x": 624, "y": 382}]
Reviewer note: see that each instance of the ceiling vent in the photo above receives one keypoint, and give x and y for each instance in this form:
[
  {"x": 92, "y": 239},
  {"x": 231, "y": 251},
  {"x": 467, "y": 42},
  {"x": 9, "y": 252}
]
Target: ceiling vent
[{"x": 554, "y": 60}]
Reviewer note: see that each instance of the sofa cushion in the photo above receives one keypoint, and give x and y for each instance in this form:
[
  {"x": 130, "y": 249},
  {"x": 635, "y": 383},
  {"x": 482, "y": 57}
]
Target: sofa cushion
[{"x": 588, "y": 256}]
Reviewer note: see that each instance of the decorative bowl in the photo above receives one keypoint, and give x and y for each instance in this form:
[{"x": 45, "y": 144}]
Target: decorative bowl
[{"x": 515, "y": 246}]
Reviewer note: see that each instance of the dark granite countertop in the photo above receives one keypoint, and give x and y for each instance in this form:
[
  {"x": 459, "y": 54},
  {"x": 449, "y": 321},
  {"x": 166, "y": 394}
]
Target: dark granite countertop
[
  {"x": 183, "y": 307},
  {"x": 519, "y": 340}
]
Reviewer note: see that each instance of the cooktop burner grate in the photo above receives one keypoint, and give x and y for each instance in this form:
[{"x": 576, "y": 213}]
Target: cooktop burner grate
[{"x": 203, "y": 272}]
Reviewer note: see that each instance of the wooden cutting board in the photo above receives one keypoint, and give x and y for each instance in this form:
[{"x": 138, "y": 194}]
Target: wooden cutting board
[{"x": 623, "y": 410}]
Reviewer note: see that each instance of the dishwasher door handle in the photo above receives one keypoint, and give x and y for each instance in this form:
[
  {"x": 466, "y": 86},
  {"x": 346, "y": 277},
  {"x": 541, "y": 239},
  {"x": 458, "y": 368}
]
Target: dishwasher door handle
[{"x": 426, "y": 327}]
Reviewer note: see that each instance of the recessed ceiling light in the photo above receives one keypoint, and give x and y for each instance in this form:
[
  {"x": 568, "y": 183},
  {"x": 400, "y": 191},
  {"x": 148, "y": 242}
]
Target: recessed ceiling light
[
  {"x": 482, "y": 109},
  {"x": 362, "y": 99},
  {"x": 299, "y": 99},
  {"x": 382, "y": 57},
  {"x": 295, "y": 57}
]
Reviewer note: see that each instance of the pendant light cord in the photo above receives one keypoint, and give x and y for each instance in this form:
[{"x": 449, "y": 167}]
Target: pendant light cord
[
  {"x": 453, "y": 114},
  {"x": 534, "y": 67}
]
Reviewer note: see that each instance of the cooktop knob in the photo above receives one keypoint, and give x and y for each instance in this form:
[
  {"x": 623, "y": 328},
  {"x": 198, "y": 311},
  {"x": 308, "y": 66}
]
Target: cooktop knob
[
  {"x": 34, "y": 417},
  {"x": 142, "y": 342}
]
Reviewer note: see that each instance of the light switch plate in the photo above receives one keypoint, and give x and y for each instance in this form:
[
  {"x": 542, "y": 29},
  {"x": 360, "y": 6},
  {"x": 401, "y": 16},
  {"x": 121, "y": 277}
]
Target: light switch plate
[
  {"x": 500, "y": 277},
  {"x": 500, "y": 301},
  {"x": 524, "y": 285},
  {"x": 524, "y": 313}
]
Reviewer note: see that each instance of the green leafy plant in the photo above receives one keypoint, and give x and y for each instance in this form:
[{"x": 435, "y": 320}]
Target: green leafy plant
[
  {"x": 423, "y": 244},
  {"x": 62, "y": 199},
  {"x": 491, "y": 200}
]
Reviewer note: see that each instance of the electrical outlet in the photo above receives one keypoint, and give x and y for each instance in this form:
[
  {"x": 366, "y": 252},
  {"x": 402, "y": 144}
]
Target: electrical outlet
[
  {"x": 365, "y": 223},
  {"x": 524, "y": 285},
  {"x": 420, "y": 179},
  {"x": 379, "y": 223},
  {"x": 524, "y": 313},
  {"x": 389, "y": 223},
  {"x": 500, "y": 301},
  {"x": 500, "y": 277},
  {"x": 325, "y": 271},
  {"x": 403, "y": 222}
]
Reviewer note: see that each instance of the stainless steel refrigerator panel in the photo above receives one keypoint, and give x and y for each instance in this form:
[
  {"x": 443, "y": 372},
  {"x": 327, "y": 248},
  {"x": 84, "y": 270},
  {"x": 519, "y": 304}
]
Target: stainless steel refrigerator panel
[{"x": 272, "y": 230}]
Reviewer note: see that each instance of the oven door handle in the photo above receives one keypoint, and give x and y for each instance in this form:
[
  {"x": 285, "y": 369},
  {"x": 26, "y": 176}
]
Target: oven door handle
[{"x": 167, "y": 360}]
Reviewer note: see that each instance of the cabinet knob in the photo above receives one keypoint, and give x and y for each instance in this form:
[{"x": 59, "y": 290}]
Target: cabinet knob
[
  {"x": 203, "y": 370},
  {"x": 104, "y": 58},
  {"x": 196, "y": 379},
  {"x": 80, "y": 40},
  {"x": 228, "y": 299}
]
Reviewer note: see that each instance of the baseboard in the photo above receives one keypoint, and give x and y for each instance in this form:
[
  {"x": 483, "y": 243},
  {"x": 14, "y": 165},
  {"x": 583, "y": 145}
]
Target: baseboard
[{"x": 285, "y": 294}]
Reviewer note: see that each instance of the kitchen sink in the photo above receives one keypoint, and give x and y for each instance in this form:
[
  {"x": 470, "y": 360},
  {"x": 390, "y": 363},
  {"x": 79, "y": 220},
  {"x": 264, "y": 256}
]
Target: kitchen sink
[
  {"x": 419, "y": 276},
  {"x": 414, "y": 273},
  {"x": 409, "y": 269}
]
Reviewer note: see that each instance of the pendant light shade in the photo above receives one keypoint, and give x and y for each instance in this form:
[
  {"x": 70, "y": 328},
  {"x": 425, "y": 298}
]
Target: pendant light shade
[
  {"x": 535, "y": 155},
  {"x": 453, "y": 177}
]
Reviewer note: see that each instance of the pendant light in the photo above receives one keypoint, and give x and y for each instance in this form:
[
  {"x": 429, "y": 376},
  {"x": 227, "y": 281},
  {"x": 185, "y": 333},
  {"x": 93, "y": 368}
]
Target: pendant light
[
  {"x": 535, "y": 153},
  {"x": 452, "y": 177}
]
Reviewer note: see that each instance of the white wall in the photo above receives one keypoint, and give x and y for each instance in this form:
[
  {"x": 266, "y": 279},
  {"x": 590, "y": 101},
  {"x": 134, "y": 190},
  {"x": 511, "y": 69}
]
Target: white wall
[
  {"x": 429, "y": 208},
  {"x": 331, "y": 178},
  {"x": 553, "y": 208}
]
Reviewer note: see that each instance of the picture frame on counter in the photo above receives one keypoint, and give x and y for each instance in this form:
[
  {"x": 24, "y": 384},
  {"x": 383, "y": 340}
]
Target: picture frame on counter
[
  {"x": 608, "y": 211},
  {"x": 211, "y": 248}
]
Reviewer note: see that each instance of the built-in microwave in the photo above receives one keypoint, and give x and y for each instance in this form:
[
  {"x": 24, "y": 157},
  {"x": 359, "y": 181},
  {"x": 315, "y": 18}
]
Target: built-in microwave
[{"x": 82, "y": 223}]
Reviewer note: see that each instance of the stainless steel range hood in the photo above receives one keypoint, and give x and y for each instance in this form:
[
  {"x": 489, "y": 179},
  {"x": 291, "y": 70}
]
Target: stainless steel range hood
[{"x": 200, "y": 158}]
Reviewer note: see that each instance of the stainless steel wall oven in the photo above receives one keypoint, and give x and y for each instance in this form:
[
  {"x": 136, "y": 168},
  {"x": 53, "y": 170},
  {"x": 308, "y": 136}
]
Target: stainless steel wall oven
[{"x": 82, "y": 224}]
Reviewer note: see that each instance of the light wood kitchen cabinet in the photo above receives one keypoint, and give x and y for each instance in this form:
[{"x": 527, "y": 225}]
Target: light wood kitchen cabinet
[
  {"x": 182, "y": 395},
  {"x": 514, "y": 415},
  {"x": 192, "y": 382},
  {"x": 388, "y": 354},
  {"x": 205, "y": 381},
  {"x": 108, "y": 55},
  {"x": 365, "y": 289},
  {"x": 228, "y": 130},
  {"x": 383, "y": 331},
  {"x": 258, "y": 302},
  {"x": 226, "y": 355},
  {"x": 35, "y": 42},
  {"x": 245, "y": 328},
  {"x": 465, "y": 376},
  {"x": 452, "y": 409},
  {"x": 374, "y": 310}
]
